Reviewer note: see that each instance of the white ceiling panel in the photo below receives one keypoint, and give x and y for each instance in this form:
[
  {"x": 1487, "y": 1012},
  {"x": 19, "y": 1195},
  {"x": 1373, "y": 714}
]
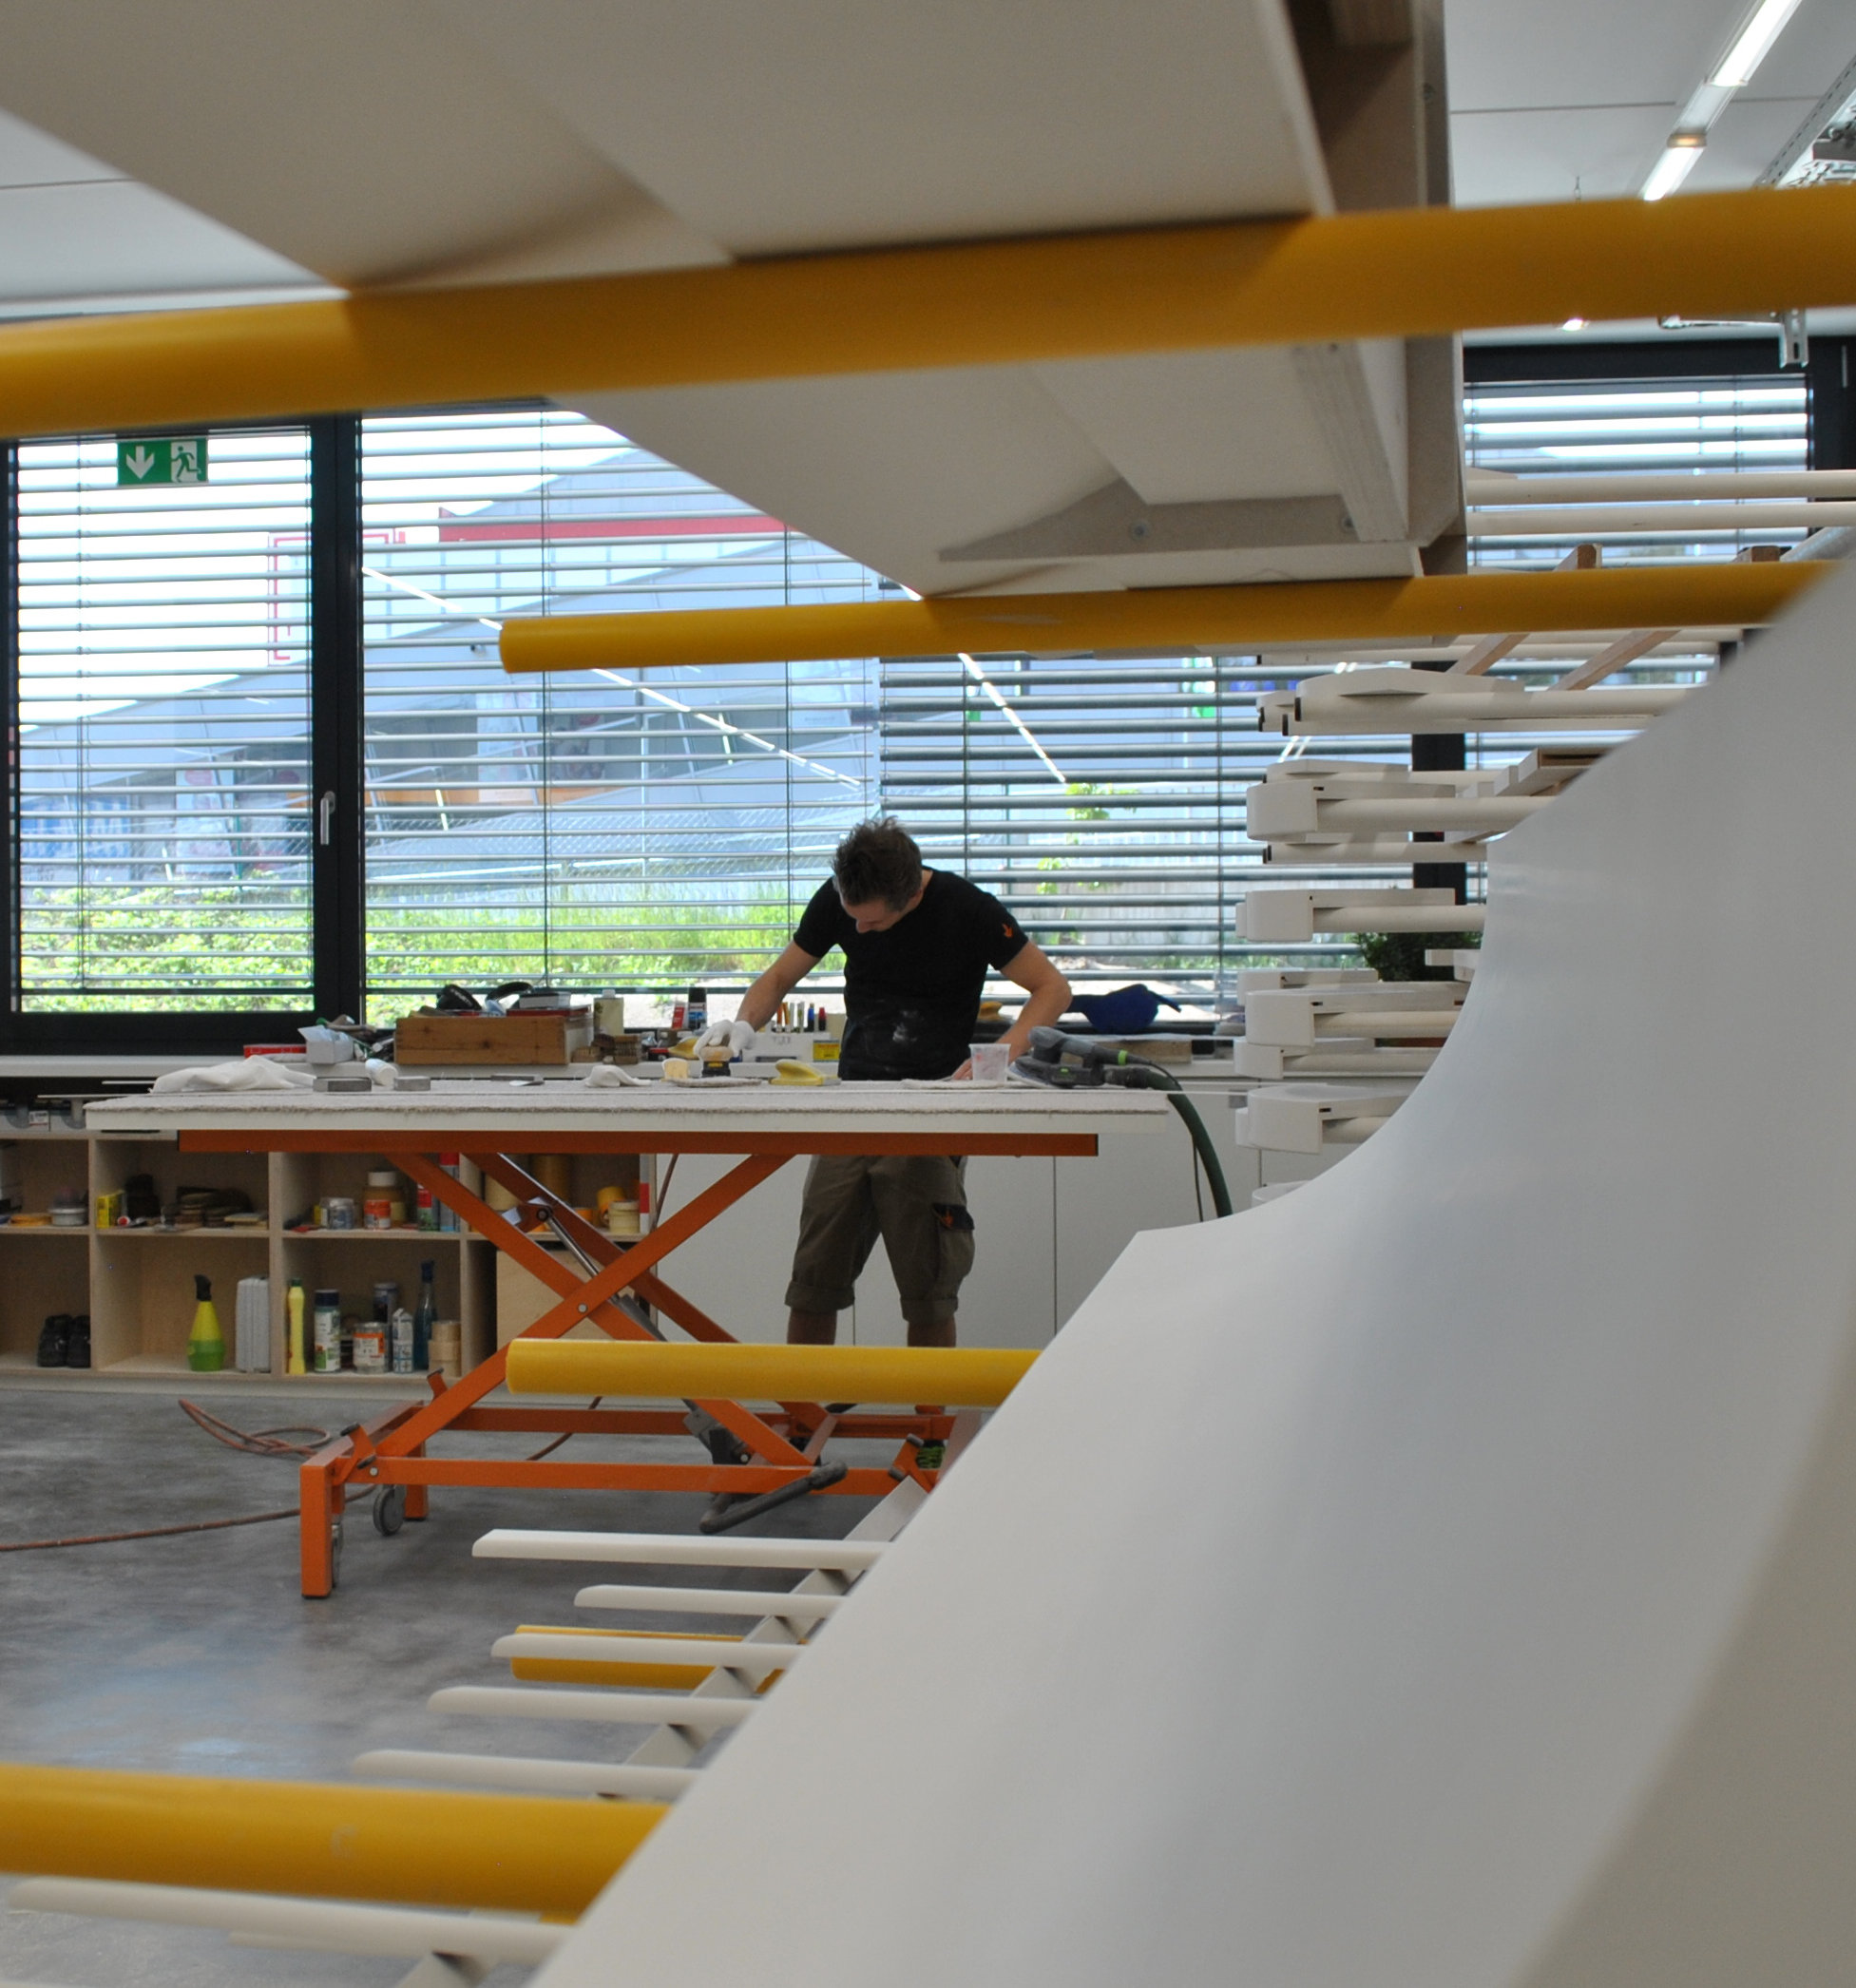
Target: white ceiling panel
[
  {"x": 1807, "y": 57},
  {"x": 360, "y": 138},
  {"x": 1745, "y": 139},
  {"x": 1584, "y": 93},
  {"x": 1581, "y": 54},
  {"x": 112, "y": 238},
  {"x": 32, "y": 157},
  {"x": 1503, "y": 157},
  {"x": 843, "y": 123}
]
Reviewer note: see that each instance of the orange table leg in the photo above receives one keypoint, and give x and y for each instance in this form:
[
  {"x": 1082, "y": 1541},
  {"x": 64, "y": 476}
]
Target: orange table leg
[
  {"x": 418, "y": 1496},
  {"x": 320, "y": 1501}
]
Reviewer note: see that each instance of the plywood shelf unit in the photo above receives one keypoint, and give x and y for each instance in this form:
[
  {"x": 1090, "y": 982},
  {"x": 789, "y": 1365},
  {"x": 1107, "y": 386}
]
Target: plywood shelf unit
[{"x": 137, "y": 1284}]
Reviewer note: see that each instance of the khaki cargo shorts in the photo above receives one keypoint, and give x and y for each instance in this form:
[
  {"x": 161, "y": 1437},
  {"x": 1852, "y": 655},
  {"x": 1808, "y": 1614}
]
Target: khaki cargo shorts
[{"x": 916, "y": 1203}]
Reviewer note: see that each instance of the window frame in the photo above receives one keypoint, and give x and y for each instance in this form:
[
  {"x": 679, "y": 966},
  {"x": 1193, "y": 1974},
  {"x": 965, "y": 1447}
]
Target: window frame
[{"x": 334, "y": 676}]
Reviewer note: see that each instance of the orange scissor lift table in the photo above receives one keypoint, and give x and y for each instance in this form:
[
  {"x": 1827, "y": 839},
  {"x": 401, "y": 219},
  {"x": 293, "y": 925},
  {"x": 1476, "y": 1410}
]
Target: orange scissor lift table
[{"x": 613, "y": 1280}]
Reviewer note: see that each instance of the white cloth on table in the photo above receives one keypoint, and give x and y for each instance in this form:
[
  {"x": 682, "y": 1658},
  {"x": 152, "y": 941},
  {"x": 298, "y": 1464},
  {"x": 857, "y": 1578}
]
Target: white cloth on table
[
  {"x": 606, "y": 1077},
  {"x": 250, "y": 1073}
]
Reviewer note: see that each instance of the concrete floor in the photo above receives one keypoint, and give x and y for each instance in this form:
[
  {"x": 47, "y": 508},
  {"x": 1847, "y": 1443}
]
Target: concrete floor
[{"x": 197, "y": 1654}]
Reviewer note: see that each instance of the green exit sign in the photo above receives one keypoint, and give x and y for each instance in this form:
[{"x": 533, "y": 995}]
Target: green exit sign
[{"x": 161, "y": 459}]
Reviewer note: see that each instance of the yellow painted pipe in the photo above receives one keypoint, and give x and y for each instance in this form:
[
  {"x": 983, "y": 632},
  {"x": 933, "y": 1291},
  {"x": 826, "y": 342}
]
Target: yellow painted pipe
[
  {"x": 512, "y": 1853},
  {"x": 634, "y": 1675},
  {"x": 1192, "y": 619},
  {"x": 964, "y": 1377},
  {"x": 1402, "y": 273}
]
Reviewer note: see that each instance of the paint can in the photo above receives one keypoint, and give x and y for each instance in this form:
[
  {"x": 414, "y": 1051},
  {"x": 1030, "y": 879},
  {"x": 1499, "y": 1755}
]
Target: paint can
[{"x": 326, "y": 1345}]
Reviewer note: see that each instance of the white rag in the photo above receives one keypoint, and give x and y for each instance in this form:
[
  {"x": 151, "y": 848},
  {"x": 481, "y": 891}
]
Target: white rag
[
  {"x": 608, "y": 1076},
  {"x": 250, "y": 1073}
]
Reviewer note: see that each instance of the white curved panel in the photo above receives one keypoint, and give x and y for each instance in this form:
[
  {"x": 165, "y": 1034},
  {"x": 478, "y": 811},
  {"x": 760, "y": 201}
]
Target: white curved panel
[
  {"x": 1492, "y": 1498},
  {"x": 814, "y": 124}
]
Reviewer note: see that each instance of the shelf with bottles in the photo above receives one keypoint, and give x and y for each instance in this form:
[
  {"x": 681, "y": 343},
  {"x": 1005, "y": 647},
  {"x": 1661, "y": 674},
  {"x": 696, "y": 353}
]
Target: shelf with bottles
[
  {"x": 303, "y": 1184},
  {"x": 464, "y": 1290},
  {"x": 143, "y": 1300}
]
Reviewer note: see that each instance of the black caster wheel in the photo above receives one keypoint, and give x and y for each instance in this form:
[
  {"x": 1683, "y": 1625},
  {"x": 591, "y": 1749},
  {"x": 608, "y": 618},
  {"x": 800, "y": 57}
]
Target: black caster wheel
[{"x": 389, "y": 1509}]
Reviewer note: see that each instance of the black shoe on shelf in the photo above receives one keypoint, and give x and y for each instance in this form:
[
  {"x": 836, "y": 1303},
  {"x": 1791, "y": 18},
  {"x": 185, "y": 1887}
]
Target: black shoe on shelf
[
  {"x": 55, "y": 1340},
  {"x": 76, "y": 1354}
]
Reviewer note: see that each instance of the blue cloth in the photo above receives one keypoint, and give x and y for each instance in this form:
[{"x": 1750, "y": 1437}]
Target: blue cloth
[{"x": 1124, "y": 1010}]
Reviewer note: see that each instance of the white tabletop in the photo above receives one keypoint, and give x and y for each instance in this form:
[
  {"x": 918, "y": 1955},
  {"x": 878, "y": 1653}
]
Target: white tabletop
[{"x": 519, "y": 1113}]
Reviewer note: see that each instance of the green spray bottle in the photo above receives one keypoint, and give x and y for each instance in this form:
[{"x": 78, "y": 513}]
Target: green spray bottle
[{"x": 205, "y": 1343}]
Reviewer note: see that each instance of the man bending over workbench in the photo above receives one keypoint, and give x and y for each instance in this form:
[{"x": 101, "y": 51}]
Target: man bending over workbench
[{"x": 917, "y": 944}]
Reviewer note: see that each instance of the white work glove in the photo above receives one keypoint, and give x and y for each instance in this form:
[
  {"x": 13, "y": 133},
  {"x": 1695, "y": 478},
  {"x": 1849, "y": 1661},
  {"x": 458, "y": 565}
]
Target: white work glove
[{"x": 729, "y": 1038}]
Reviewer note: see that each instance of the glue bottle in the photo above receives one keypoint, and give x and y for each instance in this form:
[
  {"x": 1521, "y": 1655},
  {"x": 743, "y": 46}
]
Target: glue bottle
[
  {"x": 292, "y": 1305},
  {"x": 205, "y": 1343}
]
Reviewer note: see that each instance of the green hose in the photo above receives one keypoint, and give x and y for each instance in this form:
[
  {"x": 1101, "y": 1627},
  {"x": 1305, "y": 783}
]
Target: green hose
[
  {"x": 1155, "y": 1077},
  {"x": 1054, "y": 1062},
  {"x": 1208, "y": 1156}
]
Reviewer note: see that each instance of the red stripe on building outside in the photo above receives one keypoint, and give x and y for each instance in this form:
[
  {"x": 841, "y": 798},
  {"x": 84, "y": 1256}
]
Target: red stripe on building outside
[{"x": 527, "y": 531}]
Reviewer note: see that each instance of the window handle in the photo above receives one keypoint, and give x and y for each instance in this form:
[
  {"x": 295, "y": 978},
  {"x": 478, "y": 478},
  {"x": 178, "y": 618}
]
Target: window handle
[{"x": 325, "y": 819}]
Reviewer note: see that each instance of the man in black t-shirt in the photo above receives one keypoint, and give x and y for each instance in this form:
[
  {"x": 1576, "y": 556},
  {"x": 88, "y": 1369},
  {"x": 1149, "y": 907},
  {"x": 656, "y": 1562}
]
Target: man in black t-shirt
[{"x": 917, "y": 946}]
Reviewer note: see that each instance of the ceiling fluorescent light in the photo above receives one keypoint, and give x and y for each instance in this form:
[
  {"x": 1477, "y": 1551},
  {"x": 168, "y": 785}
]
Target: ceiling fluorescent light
[
  {"x": 1750, "y": 44},
  {"x": 1676, "y": 163}
]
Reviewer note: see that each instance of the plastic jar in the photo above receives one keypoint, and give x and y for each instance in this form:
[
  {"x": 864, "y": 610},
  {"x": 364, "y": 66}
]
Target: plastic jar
[{"x": 377, "y": 1205}]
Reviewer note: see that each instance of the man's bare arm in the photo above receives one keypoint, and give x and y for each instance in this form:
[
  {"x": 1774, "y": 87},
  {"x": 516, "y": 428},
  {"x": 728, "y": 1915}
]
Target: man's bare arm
[
  {"x": 1049, "y": 992},
  {"x": 761, "y": 1000}
]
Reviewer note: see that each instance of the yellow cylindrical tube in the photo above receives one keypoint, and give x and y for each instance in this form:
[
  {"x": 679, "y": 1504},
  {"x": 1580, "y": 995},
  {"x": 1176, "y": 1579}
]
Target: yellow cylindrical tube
[
  {"x": 959, "y": 1377},
  {"x": 1191, "y": 618},
  {"x": 612, "y": 1668},
  {"x": 511, "y": 1853},
  {"x": 1412, "y": 272}
]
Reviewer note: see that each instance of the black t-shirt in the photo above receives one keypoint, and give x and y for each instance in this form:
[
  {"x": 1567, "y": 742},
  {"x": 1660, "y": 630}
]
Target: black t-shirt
[{"x": 911, "y": 995}]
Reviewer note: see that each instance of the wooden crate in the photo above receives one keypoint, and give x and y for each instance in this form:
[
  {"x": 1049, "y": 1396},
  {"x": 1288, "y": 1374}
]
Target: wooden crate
[{"x": 520, "y": 1040}]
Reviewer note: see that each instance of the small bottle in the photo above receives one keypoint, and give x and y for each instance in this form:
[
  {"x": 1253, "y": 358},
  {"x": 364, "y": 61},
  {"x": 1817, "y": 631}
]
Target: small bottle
[
  {"x": 401, "y": 1331},
  {"x": 293, "y": 1309},
  {"x": 377, "y": 1204},
  {"x": 326, "y": 1347},
  {"x": 695, "y": 1010},
  {"x": 205, "y": 1343},
  {"x": 372, "y": 1352},
  {"x": 426, "y": 1316},
  {"x": 449, "y": 1164}
]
